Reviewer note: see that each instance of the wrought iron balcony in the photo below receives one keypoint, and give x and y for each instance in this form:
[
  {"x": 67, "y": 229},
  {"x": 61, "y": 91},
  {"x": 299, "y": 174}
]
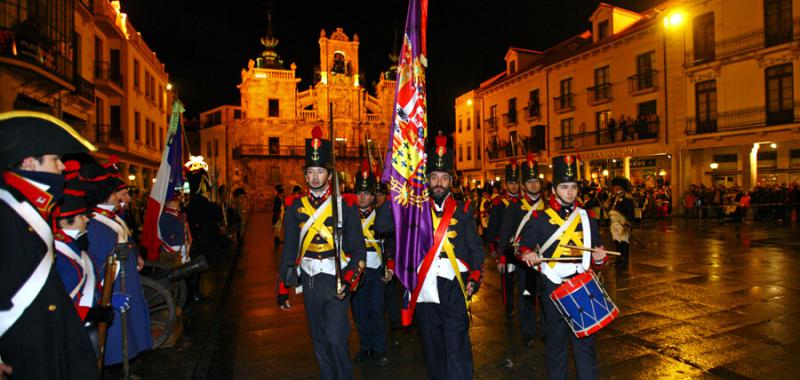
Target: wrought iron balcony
[
  {"x": 644, "y": 82},
  {"x": 599, "y": 94},
  {"x": 742, "y": 43},
  {"x": 109, "y": 134},
  {"x": 288, "y": 152},
  {"x": 533, "y": 111},
  {"x": 104, "y": 74},
  {"x": 636, "y": 133},
  {"x": 525, "y": 144},
  {"x": 29, "y": 42},
  {"x": 743, "y": 118},
  {"x": 564, "y": 103},
  {"x": 84, "y": 88},
  {"x": 491, "y": 123},
  {"x": 510, "y": 118}
]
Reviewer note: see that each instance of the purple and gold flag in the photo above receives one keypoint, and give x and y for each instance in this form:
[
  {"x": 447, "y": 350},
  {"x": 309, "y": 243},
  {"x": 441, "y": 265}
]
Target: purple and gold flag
[{"x": 404, "y": 169}]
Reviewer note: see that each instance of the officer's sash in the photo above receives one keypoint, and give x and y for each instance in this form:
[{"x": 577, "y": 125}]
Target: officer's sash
[
  {"x": 33, "y": 285},
  {"x": 438, "y": 239},
  {"x": 369, "y": 237},
  {"x": 87, "y": 283}
]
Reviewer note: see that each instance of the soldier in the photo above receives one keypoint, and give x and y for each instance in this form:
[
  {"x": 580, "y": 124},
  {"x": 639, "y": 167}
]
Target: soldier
[
  {"x": 564, "y": 222},
  {"x": 385, "y": 225},
  {"x": 308, "y": 252},
  {"x": 516, "y": 216},
  {"x": 484, "y": 209},
  {"x": 72, "y": 262},
  {"x": 41, "y": 334},
  {"x": 492, "y": 236},
  {"x": 454, "y": 276},
  {"x": 174, "y": 231},
  {"x": 369, "y": 303},
  {"x": 106, "y": 232},
  {"x": 621, "y": 215},
  {"x": 204, "y": 218}
]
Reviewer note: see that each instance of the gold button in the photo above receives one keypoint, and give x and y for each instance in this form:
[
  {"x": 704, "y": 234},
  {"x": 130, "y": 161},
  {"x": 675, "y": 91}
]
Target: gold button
[
  {"x": 30, "y": 229},
  {"x": 51, "y": 308}
]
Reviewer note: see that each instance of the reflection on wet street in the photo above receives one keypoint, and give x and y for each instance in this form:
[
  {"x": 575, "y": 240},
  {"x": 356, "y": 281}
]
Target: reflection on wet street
[{"x": 701, "y": 299}]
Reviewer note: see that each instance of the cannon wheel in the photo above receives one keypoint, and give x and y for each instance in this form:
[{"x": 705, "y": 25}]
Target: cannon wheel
[
  {"x": 178, "y": 288},
  {"x": 162, "y": 310}
]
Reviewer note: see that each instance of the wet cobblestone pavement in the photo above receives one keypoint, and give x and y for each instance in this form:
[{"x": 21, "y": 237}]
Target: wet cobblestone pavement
[{"x": 701, "y": 299}]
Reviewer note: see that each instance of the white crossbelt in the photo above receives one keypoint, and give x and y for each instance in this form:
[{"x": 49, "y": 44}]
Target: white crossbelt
[
  {"x": 33, "y": 285},
  {"x": 87, "y": 282},
  {"x": 561, "y": 269}
]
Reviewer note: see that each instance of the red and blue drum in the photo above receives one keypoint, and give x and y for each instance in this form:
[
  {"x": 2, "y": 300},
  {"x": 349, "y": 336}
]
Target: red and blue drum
[{"x": 584, "y": 304}]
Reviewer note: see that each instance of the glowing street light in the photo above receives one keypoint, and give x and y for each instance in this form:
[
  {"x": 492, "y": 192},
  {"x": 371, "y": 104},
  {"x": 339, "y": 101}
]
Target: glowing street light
[
  {"x": 605, "y": 172},
  {"x": 773, "y": 145},
  {"x": 673, "y": 19},
  {"x": 469, "y": 102},
  {"x": 132, "y": 177},
  {"x": 713, "y": 166}
]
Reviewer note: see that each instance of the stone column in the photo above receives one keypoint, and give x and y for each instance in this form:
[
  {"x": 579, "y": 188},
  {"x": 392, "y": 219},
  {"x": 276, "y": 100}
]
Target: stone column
[{"x": 626, "y": 167}]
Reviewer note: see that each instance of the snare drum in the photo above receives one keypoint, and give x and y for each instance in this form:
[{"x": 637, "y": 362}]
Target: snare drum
[{"x": 584, "y": 304}]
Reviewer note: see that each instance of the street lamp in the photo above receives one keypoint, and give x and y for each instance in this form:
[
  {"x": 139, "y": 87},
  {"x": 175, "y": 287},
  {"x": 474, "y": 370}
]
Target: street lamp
[
  {"x": 773, "y": 146},
  {"x": 672, "y": 20},
  {"x": 132, "y": 177},
  {"x": 713, "y": 166}
]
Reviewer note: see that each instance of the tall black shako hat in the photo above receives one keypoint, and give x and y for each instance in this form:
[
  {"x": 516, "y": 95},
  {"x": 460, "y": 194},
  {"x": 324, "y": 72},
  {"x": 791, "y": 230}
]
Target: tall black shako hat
[
  {"x": 530, "y": 168},
  {"x": 565, "y": 169},
  {"x": 33, "y": 134},
  {"x": 196, "y": 171},
  {"x": 512, "y": 171},
  {"x": 440, "y": 159},
  {"x": 74, "y": 200},
  {"x": 365, "y": 180},
  {"x": 99, "y": 180},
  {"x": 318, "y": 150}
]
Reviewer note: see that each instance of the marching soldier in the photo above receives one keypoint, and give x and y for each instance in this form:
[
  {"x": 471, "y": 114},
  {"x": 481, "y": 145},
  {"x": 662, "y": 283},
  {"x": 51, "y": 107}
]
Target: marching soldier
[
  {"x": 308, "y": 252},
  {"x": 369, "y": 304},
  {"x": 563, "y": 223},
  {"x": 484, "y": 208},
  {"x": 41, "y": 334},
  {"x": 505, "y": 260},
  {"x": 621, "y": 215},
  {"x": 106, "y": 232},
  {"x": 454, "y": 276},
  {"x": 516, "y": 216}
]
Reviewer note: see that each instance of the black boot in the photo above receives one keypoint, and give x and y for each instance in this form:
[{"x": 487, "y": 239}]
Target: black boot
[{"x": 626, "y": 248}]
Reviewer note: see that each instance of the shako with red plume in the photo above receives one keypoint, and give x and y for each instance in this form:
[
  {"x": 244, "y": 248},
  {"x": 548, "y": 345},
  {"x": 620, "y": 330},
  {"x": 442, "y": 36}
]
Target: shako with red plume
[
  {"x": 318, "y": 150},
  {"x": 440, "y": 158}
]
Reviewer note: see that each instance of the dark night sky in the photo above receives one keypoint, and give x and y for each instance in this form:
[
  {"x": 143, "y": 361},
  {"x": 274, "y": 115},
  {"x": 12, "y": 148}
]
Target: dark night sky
[{"x": 205, "y": 44}]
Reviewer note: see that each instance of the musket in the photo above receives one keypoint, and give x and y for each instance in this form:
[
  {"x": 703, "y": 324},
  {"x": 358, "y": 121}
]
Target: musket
[
  {"x": 121, "y": 252},
  {"x": 381, "y": 239},
  {"x": 337, "y": 222},
  {"x": 105, "y": 301}
]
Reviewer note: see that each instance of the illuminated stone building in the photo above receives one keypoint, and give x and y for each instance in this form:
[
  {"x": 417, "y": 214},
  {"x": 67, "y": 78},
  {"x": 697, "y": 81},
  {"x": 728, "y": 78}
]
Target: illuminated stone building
[
  {"x": 712, "y": 81},
  {"x": 264, "y": 137},
  {"x": 84, "y": 62}
]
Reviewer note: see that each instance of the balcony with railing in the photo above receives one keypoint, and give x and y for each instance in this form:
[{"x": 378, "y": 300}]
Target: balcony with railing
[
  {"x": 107, "y": 78},
  {"x": 373, "y": 118},
  {"x": 598, "y": 94},
  {"x": 504, "y": 150},
  {"x": 308, "y": 114},
  {"x": 84, "y": 89},
  {"x": 289, "y": 152},
  {"x": 510, "y": 118},
  {"x": 491, "y": 123},
  {"x": 643, "y": 83},
  {"x": 742, "y": 43},
  {"x": 564, "y": 103},
  {"x": 32, "y": 42},
  {"x": 639, "y": 132},
  {"x": 743, "y": 118},
  {"x": 533, "y": 111},
  {"x": 109, "y": 134}
]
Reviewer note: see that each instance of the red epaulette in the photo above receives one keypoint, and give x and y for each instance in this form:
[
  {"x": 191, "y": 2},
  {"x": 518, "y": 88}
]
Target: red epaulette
[
  {"x": 591, "y": 214},
  {"x": 290, "y": 199},
  {"x": 496, "y": 201},
  {"x": 536, "y": 213},
  {"x": 350, "y": 199}
]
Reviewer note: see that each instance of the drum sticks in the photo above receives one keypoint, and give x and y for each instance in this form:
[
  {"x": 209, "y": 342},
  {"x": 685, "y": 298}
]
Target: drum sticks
[{"x": 614, "y": 253}]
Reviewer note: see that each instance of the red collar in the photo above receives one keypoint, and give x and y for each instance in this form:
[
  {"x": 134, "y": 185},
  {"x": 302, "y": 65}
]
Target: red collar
[
  {"x": 60, "y": 235},
  {"x": 530, "y": 200},
  {"x": 42, "y": 200}
]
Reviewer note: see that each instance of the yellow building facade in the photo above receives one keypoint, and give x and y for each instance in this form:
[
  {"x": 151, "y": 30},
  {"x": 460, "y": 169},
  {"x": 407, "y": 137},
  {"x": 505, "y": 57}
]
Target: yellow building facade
[
  {"x": 88, "y": 65},
  {"x": 702, "y": 82},
  {"x": 265, "y": 146}
]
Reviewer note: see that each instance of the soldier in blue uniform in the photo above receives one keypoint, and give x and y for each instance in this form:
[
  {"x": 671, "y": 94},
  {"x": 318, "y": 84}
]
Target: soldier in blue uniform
[
  {"x": 369, "y": 303},
  {"x": 308, "y": 252},
  {"x": 106, "y": 230},
  {"x": 41, "y": 334},
  {"x": 441, "y": 307},
  {"x": 517, "y": 213},
  {"x": 174, "y": 231},
  {"x": 506, "y": 263},
  {"x": 542, "y": 237}
]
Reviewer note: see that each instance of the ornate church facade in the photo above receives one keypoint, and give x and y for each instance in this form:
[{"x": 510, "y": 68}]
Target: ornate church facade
[{"x": 260, "y": 143}]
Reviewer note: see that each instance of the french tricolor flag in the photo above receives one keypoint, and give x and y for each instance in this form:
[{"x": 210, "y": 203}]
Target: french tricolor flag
[{"x": 168, "y": 179}]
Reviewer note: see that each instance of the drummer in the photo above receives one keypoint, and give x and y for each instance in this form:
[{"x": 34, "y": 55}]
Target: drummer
[{"x": 564, "y": 222}]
